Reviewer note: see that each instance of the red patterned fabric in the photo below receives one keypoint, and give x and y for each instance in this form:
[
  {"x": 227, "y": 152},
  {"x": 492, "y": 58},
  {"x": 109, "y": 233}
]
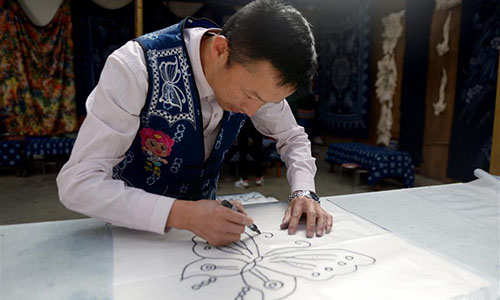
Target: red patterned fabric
[{"x": 37, "y": 88}]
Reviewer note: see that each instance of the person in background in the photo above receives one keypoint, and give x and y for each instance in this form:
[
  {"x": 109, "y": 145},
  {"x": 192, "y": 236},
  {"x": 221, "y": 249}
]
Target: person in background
[
  {"x": 167, "y": 108},
  {"x": 249, "y": 141}
]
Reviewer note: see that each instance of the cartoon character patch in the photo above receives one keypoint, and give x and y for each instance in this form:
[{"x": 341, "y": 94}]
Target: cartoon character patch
[{"x": 157, "y": 145}]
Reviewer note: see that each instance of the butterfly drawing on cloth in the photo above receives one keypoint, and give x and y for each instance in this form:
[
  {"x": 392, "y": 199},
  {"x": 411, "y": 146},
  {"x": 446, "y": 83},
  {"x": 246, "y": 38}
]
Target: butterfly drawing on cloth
[
  {"x": 273, "y": 274},
  {"x": 171, "y": 94}
]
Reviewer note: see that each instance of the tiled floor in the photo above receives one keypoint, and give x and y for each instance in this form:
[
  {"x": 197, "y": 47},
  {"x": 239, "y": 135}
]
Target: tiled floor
[{"x": 34, "y": 198}]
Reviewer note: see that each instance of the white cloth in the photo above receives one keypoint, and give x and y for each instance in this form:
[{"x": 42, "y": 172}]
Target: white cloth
[
  {"x": 358, "y": 261},
  {"x": 85, "y": 182}
]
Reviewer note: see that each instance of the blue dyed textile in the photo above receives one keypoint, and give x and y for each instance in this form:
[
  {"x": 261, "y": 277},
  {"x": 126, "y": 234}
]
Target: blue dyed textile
[
  {"x": 97, "y": 32},
  {"x": 44, "y": 146},
  {"x": 10, "y": 153},
  {"x": 344, "y": 68},
  {"x": 380, "y": 162},
  {"x": 472, "y": 131}
]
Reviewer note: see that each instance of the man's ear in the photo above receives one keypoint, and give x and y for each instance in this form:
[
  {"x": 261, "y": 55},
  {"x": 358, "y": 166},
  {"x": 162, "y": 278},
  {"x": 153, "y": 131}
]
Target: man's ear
[{"x": 220, "y": 48}]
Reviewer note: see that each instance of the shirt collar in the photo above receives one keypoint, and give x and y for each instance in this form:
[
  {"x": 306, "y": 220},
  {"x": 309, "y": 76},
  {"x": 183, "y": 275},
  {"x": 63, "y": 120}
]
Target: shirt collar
[{"x": 192, "y": 38}]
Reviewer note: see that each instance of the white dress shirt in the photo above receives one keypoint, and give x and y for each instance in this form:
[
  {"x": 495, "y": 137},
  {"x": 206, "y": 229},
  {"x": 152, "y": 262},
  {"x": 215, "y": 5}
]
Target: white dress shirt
[{"x": 85, "y": 182}]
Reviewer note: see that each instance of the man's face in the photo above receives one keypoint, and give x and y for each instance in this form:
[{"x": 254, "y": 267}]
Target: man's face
[{"x": 244, "y": 89}]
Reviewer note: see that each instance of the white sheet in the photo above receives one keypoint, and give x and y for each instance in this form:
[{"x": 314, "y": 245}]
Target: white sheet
[
  {"x": 358, "y": 260},
  {"x": 249, "y": 198},
  {"x": 460, "y": 220}
]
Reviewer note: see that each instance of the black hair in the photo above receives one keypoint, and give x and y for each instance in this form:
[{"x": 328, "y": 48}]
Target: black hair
[{"x": 272, "y": 31}]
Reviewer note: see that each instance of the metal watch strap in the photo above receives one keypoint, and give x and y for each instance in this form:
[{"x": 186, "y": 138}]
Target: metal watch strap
[{"x": 305, "y": 193}]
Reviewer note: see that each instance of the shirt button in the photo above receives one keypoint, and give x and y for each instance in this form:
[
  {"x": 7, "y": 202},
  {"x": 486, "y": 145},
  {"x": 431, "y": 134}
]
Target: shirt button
[{"x": 216, "y": 115}]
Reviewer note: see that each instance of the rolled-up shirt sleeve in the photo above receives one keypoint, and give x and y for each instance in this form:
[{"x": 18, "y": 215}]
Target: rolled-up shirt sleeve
[
  {"x": 85, "y": 182},
  {"x": 277, "y": 121}
]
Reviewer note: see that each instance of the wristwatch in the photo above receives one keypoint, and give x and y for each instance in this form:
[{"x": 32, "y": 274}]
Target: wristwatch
[{"x": 305, "y": 193}]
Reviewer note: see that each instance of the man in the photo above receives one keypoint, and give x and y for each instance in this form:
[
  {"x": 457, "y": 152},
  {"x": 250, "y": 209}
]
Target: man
[{"x": 170, "y": 104}]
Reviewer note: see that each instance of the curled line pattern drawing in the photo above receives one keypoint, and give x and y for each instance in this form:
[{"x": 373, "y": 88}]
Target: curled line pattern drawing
[{"x": 273, "y": 274}]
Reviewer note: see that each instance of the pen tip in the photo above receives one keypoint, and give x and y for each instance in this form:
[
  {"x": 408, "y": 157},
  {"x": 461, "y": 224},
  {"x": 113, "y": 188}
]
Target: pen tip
[{"x": 258, "y": 231}]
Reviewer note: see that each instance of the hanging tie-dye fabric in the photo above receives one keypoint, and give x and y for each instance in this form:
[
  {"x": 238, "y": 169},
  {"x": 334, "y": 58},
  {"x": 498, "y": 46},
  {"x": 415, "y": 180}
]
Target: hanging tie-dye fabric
[
  {"x": 344, "y": 68},
  {"x": 472, "y": 131},
  {"x": 37, "y": 87},
  {"x": 97, "y": 32}
]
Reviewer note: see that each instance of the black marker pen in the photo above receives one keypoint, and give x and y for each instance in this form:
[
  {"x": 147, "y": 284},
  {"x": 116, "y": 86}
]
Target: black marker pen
[{"x": 233, "y": 207}]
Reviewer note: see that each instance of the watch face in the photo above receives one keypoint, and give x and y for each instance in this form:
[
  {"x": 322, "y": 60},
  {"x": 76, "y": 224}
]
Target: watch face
[{"x": 314, "y": 196}]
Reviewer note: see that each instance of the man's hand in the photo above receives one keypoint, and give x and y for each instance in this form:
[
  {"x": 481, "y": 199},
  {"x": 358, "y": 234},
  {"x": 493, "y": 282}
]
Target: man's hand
[
  {"x": 318, "y": 220},
  {"x": 217, "y": 224}
]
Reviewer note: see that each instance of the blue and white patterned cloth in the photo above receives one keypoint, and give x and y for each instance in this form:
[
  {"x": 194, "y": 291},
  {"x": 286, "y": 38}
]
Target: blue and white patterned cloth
[
  {"x": 344, "y": 69},
  {"x": 380, "y": 162},
  {"x": 45, "y": 146},
  {"x": 10, "y": 153}
]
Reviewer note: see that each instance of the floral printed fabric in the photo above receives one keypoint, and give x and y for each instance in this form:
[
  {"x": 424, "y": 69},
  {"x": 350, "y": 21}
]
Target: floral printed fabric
[{"x": 37, "y": 87}]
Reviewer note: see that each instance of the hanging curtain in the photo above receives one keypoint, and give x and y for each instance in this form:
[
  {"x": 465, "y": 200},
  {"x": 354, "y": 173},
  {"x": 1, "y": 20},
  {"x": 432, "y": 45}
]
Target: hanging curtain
[
  {"x": 414, "y": 83},
  {"x": 37, "y": 88},
  {"x": 343, "y": 44},
  {"x": 472, "y": 130},
  {"x": 97, "y": 33},
  {"x": 158, "y": 14}
]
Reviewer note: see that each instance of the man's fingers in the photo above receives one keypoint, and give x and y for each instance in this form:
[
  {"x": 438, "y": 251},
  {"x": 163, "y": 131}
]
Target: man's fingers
[
  {"x": 231, "y": 215},
  {"x": 329, "y": 223},
  {"x": 292, "y": 225},
  {"x": 321, "y": 224},
  {"x": 233, "y": 228},
  {"x": 295, "y": 218},
  {"x": 237, "y": 218},
  {"x": 239, "y": 206},
  {"x": 232, "y": 237},
  {"x": 297, "y": 209},
  {"x": 225, "y": 239},
  {"x": 286, "y": 218},
  {"x": 311, "y": 219}
]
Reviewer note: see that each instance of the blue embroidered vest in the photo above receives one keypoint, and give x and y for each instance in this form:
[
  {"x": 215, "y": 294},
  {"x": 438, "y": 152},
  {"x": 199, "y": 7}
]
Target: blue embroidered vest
[{"x": 167, "y": 154}]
